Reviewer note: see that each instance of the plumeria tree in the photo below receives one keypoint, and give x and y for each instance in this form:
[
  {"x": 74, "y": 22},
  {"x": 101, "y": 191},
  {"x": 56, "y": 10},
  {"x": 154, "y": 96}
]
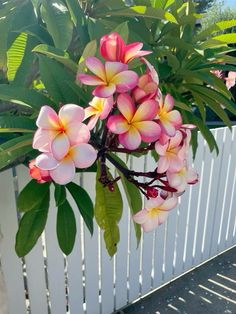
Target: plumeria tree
[{"x": 84, "y": 83}]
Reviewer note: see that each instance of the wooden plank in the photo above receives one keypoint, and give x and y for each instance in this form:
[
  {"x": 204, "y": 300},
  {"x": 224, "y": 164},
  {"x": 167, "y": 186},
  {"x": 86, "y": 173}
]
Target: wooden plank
[
  {"x": 121, "y": 260},
  {"x": 75, "y": 265},
  {"x": 227, "y": 208},
  {"x": 11, "y": 264},
  {"x": 220, "y": 191},
  {"x": 92, "y": 255},
  {"x": 212, "y": 193},
  {"x": 134, "y": 256},
  {"x": 55, "y": 263},
  {"x": 158, "y": 255},
  {"x": 34, "y": 263},
  {"x": 170, "y": 244},
  {"x": 182, "y": 213},
  {"x": 192, "y": 210}
]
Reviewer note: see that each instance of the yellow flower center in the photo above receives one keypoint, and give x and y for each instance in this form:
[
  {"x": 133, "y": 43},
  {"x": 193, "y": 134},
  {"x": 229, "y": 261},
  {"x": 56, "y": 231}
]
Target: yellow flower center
[{"x": 153, "y": 212}]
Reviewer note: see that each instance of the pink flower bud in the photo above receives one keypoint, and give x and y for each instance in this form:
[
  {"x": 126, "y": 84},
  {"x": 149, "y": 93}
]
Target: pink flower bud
[
  {"x": 112, "y": 47},
  {"x": 40, "y": 175},
  {"x": 146, "y": 89},
  {"x": 152, "y": 192}
]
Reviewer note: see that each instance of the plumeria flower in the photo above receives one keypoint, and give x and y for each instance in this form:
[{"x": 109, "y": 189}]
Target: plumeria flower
[
  {"x": 180, "y": 179},
  {"x": 217, "y": 73},
  {"x": 113, "y": 48},
  {"x": 169, "y": 120},
  {"x": 171, "y": 154},
  {"x": 155, "y": 212},
  {"x": 134, "y": 125},
  {"x": 109, "y": 78},
  {"x": 41, "y": 176},
  {"x": 57, "y": 132},
  {"x": 146, "y": 89},
  {"x": 62, "y": 171},
  {"x": 99, "y": 109},
  {"x": 231, "y": 79}
]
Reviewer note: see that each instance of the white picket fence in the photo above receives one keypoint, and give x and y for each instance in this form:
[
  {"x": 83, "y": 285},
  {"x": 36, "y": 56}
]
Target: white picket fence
[{"x": 89, "y": 281}]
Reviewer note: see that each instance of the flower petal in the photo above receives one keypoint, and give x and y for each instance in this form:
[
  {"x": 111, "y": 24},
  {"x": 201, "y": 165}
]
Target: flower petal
[
  {"x": 169, "y": 203},
  {"x": 141, "y": 216},
  {"x": 47, "y": 119},
  {"x": 90, "y": 111},
  {"x": 161, "y": 149},
  {"x": 78, "y": 133},
  {"x": 83, "y": 155},
  {"x": 91, "y": 80},
  {"x": 154, "y": 203},
  {"x": 107, "y": 106},
  {"x": 126, "y": 106},
  {"x": 113, "y": 68},
  {"x": 176, "y": 164},
  {"x": 92, "y": 121},
  {"x": 176, "y": 140},
  {"x": 150, "y": 224},
  {"x": 46, "y": 162},
  {"x": 117, "y": 124},
  {"x": 60, "y": 146},
  {"x": 104, "y": 91},
  {"x": 133, "y": 51},
  {"x": 97, "y": 67},
  {"x": 175, "y": 118},
  {"x": 149, "y": 130},
  {"x": 167, "y": 127},
  {"x": 71, "y": 113},
  {"x": 174, "y": 179},
  {"x": 131, "y": 139},
  {"x": 43, "y": 138},
  {"x": 162, "y": 216},
  {"x": 191, "y": 176},
  {"x": 65, "y": 171},
  {"x": 146, "y": 111},
  {"x": 163, "y": 164},
  {"x": 125, "y": 81},
  {"x": 169, "y": 102}
]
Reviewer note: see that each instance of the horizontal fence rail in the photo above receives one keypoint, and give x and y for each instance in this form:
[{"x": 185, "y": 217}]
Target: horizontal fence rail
[{"x": 89, "y": 281}]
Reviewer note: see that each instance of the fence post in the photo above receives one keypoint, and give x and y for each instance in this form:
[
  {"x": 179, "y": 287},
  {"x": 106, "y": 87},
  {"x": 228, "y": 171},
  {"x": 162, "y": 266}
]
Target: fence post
[{"x": 3, "y": 291}]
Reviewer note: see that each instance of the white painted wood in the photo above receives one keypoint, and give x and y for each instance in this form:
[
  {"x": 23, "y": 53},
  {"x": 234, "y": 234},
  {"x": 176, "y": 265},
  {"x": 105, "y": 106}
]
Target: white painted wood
[
  {"x": 75, "y": 265},
  {"x": 55, "y": 263},
  {"x": 4, "y": 309},
  {"x": 212, "y": 193},
  {"x": 158, "y": 255},
  {"x": 170, "y": 244},
  {"x": 134, "y": 257},
  {"x": 92, "y": 256},
  {"x": 192, "y": 209},
  {"x": 227, "y": 211},
  {"x": 220, "y": 193},
  {"x": 34, "y": 262},
  {"x": 11, "y": 264},
  {"x": 121, "y": 260}
]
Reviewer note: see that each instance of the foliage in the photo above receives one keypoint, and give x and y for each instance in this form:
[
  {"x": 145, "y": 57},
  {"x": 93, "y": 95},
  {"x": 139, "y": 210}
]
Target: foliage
[{"x": 43, "y": 44}]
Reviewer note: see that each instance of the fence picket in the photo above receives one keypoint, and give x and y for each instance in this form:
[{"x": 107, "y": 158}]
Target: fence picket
[
  {"x": 34, "y": 263},
  {"x": 11, "y": 264}
]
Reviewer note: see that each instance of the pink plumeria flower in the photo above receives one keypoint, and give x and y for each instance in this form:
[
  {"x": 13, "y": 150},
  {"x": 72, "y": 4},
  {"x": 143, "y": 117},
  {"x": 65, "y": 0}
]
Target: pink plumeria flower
[
  {"x": 231, "y": 79},
  {"x": 217, "y": 73},
  {"x": 41, "y": 176},
  {"x": 134, "y": 125},
  {"x": 63, "y": 171},
  {"x": 169, "y": 120},
  {"x": 109, "y": 78},
  {"x": 113, "y": 48},
  {"x": 146, "y": 89},
  {"x": 155, "y": 212},
  {"x": 171, "y": 154},
  {"x": 99, "y": 109},
  {"x": 57, "y": 132},
  {"x": 180, "y": 179}
]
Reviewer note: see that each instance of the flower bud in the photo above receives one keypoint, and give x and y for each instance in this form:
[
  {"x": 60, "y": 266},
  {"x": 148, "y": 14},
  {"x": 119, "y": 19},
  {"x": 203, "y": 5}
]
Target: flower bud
[
  {"x": 152, "y": 192},
  {"x": 40, "y": 175},
  {"x": 112, "y": 47},
  {"x": 146, "y": 89}
]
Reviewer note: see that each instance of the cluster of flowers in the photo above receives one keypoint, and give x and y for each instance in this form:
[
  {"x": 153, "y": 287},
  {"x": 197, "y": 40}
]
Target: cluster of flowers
[
  {"x": 230, "y": 80},
  {"x": 134, "y": 111}
]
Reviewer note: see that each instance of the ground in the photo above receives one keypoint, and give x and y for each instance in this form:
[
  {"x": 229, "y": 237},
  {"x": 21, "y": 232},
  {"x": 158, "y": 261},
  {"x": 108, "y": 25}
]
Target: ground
[{"x": 209, "y": 289}]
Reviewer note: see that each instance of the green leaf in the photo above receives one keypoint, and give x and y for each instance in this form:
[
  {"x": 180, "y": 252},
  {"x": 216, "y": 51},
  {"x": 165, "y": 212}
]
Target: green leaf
[
  {"x": 219, "y": 26},
  {"x": 66, "y": 227},
  {"x": 59, "y": 194},
  {"x": 89, "y": 51},
  {"x": 23, "y": 96},
  {"x": 31, "y": 227},
  {"x": 108, "y": 212},
  {"x": 219, "y": 40},
  {"x": 15, "y": 55},
  {"x": 32, "y": 196},
  {"x": 133, "y": 196},
  {"x": 84, "y": 203},
  {"x": 123, "y": 30},
  {"x": 16, "y": 124},
  {"x": 14, "y": 149},
  {"x": 58, "y": 55},
  {"x": 57, "y": 19},
  {"x": 141, "y": 11},
  {"x": 54, "y": 76}
]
